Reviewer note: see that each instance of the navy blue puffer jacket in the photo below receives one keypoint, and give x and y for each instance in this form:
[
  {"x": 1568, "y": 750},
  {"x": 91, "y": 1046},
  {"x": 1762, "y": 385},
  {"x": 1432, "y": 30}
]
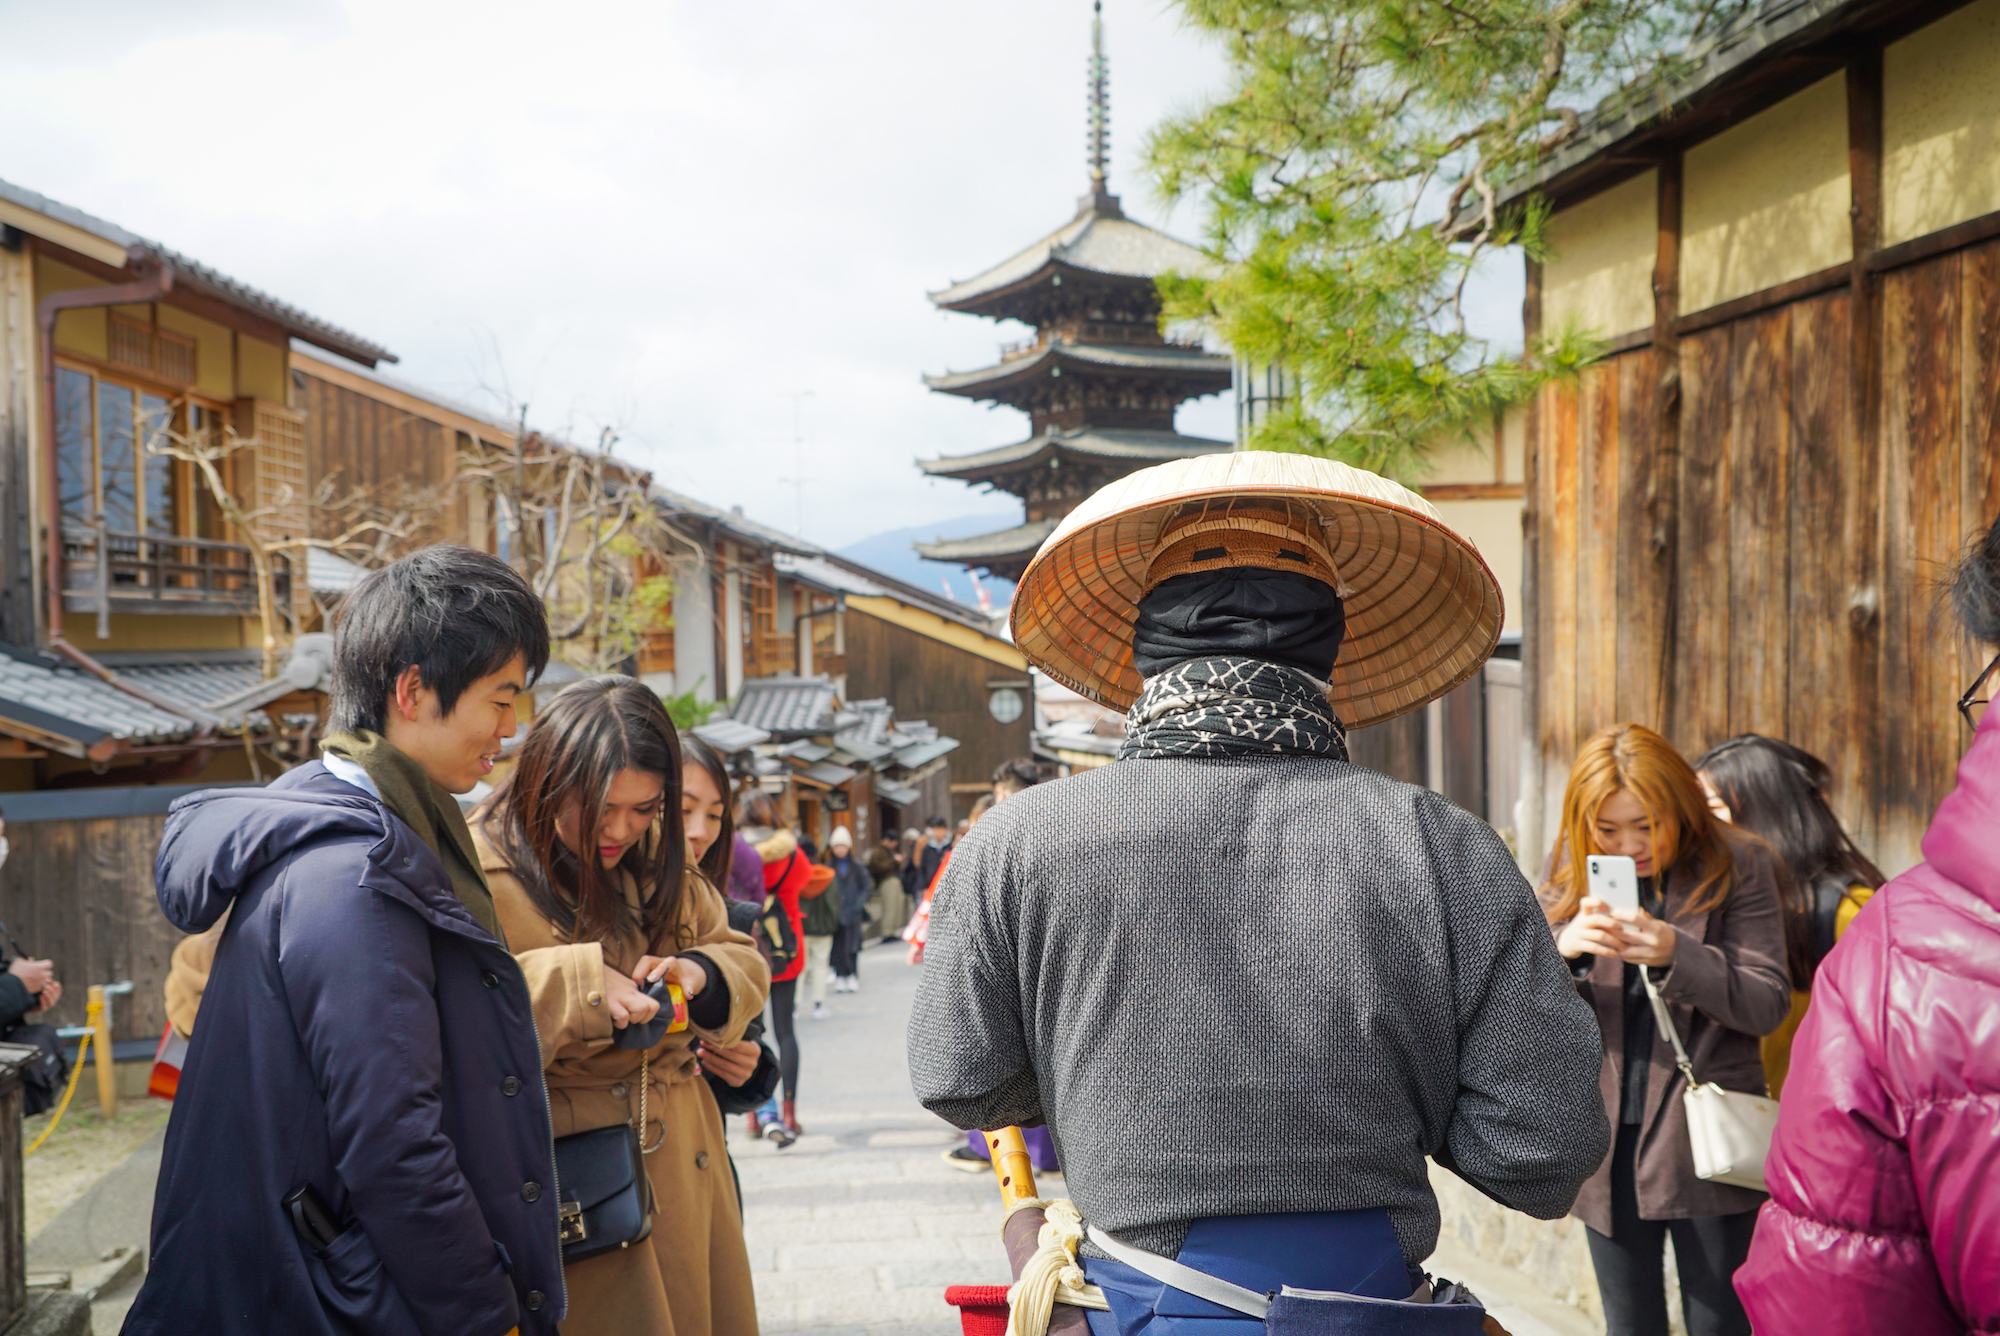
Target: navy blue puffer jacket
[{"x": 362, "y": 1033}]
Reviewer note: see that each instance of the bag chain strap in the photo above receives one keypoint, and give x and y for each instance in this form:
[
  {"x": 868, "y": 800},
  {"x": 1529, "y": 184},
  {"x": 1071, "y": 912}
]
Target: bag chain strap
[
  {"x": 646, "y": 1080},
  {"x": 1666, "y": 1020}
]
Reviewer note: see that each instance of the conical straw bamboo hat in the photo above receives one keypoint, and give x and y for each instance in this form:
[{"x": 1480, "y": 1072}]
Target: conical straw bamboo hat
[{"x": 1423, "y": 609}]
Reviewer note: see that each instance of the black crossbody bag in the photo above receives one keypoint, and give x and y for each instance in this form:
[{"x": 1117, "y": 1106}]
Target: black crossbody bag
[{"x": 606, "y": 1200}]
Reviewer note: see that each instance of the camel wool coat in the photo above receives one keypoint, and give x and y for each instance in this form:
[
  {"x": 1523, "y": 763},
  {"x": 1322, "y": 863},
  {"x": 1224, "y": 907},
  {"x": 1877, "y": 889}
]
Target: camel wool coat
[{"x": 692, "y": 1276}]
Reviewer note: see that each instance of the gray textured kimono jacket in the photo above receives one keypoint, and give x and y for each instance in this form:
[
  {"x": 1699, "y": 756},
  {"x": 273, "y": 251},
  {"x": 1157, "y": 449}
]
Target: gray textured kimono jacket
[{"x": 1239, "y": 986}]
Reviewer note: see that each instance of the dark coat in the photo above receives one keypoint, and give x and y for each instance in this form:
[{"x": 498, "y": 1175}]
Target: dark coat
[
  {"x": 15, "y": 999},
  {"x": 929, "y": 859},
  {"x": 361, "y": 1033},
  {"x": 1727, "y": 987},
  {"x": 851, "y": 879}
]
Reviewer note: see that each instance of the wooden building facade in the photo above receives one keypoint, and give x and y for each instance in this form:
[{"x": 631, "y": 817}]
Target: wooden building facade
[
  {"x": 752, "y": 603},
  {"x": 1736, "y": 521}
]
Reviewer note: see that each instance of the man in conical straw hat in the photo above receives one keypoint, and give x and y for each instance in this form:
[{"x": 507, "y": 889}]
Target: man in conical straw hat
[{"x": 1248, "y": 985}]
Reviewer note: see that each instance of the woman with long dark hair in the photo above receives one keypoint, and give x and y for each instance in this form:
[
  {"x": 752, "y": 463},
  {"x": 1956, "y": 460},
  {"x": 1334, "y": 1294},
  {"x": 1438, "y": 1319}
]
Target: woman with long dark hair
[
  {"x": 1778, "y": 792},
  {"x": 585, "y": 849},
  {"x": 1708, "y": 936},
  {"x": 711, "y": 832}
]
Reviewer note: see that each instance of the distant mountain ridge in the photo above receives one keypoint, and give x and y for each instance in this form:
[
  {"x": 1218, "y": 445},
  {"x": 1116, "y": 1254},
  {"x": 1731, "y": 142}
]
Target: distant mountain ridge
[{"x": 892, "y": 554}]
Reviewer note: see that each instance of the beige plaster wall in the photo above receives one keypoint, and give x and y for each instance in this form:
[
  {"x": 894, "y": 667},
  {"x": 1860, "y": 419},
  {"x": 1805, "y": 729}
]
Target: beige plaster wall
[
  {"x": 260, "y": 370},
  {"x": 1766, "y": 200},
  {"x": 1494, "y": 526},
  {"x": 1941, "y": 124},
  {"x": 1467, "y": 457},
  {"x": 140, "y": 630},
  {"x": 1600, "y": 270},
  {"x": 1458, "y": 459}
]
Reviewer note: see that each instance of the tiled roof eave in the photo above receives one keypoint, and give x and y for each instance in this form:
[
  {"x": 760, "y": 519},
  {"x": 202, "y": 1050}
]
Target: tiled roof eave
[
  {"x": 1152, "y": 447},
  {"x": 1090, "y": 359},
  {"x": 994, "y": 303},
  {"x": 1022, "y": 541},
  {"x": 213, "y": 283},
  {"x": 1777, "y": 30}
]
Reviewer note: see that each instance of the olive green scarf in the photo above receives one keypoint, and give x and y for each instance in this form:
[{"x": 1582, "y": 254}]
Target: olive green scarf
[{"x": 430, "y": 810}]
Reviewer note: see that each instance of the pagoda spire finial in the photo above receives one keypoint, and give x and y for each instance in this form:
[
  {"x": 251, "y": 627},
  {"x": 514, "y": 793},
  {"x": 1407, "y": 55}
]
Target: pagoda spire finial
[{"x": 1098, "y": 118}]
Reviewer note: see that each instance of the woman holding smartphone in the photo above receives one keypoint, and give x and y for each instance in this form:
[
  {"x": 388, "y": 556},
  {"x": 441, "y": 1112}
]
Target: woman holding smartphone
[
  {"x": 742, "y": 1075},
  {"x": 1709, "y": 934},
  {"x": 584, "y": 848}
]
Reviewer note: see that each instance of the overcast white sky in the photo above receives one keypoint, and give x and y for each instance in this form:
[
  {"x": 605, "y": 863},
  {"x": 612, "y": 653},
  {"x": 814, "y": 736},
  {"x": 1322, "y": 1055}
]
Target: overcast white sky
[{"x": 672, "y": 217}]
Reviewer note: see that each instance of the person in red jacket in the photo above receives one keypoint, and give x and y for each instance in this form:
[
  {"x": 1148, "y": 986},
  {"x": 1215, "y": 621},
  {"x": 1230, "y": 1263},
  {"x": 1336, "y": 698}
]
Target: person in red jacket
[
  {"x": 788, "y": 873},
  {"x": 1884, "y": 1215}
]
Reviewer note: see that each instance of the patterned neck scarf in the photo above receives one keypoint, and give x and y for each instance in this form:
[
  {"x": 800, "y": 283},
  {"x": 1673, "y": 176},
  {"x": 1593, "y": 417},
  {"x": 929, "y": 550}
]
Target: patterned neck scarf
[{"x": 1231, "y": 706}]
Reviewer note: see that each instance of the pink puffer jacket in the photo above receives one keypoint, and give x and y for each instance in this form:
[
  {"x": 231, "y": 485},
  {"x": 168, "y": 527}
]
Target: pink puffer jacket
[{"x": 1885, "y": 1178}]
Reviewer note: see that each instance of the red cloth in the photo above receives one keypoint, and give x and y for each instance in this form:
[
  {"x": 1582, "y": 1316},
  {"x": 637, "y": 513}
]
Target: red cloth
[
  {"x": 1884, "y": 1214},
  {"x": 918, "y": 929},
  {"x": 785, "y": 879},
  {"x": 168, "y": 1060},
  {"x": 982, "y": 1309}
]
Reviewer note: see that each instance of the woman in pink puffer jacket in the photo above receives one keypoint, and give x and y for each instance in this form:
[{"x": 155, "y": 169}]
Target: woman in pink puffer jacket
[{"x": 1885, "y": 1176}]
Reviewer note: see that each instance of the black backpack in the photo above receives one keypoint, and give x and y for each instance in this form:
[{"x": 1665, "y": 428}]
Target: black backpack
[{"x": 775, "y": 935}]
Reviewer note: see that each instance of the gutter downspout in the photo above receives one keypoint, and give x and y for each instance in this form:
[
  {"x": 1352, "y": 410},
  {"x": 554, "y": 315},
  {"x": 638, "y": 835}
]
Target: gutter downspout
[{"x": 150, "y": 286}]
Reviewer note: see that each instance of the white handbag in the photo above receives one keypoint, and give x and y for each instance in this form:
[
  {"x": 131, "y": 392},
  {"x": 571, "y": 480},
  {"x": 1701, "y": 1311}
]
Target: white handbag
[{"x": 1729, "y": 1130}]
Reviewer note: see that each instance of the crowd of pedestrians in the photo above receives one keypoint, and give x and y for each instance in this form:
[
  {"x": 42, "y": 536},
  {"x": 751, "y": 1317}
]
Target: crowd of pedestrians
[{"x": 568, "y": 992}]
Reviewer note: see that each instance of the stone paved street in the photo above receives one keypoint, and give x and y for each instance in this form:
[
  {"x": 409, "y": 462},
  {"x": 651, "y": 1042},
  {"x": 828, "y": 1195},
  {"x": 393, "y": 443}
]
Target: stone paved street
[{"x": 860, "y": 1226}]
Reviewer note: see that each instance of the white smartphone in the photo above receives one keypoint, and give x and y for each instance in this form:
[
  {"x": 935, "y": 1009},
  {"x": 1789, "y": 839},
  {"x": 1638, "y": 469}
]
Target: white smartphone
[{"x": 1614, "y": 880}]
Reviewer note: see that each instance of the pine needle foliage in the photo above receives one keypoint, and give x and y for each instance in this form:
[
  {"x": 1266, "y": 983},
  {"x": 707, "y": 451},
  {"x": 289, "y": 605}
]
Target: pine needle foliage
[{"x": 1351, "y": 174}]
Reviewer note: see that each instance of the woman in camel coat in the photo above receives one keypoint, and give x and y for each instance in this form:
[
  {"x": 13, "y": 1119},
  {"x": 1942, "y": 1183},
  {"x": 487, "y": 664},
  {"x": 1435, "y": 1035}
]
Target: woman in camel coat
[{"x": 601, "y": 771}]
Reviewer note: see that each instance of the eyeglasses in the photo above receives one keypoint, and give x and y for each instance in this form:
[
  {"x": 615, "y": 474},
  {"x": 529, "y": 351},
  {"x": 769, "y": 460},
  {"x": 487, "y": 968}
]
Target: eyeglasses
[{"x": 1972, "y": 705}]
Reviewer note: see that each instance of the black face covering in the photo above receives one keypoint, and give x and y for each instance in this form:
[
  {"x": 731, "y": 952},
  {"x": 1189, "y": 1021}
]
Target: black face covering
[{"x": 1278, "y": 616}]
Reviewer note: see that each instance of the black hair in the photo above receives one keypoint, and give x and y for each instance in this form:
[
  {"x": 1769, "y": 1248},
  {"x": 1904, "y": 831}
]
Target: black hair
[
  {"x": 1778, "y": 792},
  {"x": 456, "y": 614},
  {"x": 1017, "y": 774},
  {"x": 715, "y": 863},
  {"x": 582, "y": 740},
  {"x": 1974, "y": 588},
  {"x": 937, "y": 821}
]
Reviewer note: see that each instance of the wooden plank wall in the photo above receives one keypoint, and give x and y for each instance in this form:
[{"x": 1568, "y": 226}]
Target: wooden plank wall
[
  {"x": 361, "y": 442},
  {"x": 1940, "y": 363},
  {"x": 1775, "y": 607},
  {"x": 81, "y": 894},
  {"x": 945, "y": 687}
]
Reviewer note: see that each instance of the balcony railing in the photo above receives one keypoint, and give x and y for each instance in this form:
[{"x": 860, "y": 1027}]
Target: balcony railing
[{"x": 130, "y": 572}]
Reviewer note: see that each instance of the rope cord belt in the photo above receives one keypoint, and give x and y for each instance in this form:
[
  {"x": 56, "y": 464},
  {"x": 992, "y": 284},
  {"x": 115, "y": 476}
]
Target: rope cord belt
[{"x": 1052, "y": 1275}]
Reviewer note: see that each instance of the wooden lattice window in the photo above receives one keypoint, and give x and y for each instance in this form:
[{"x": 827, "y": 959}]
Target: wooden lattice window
[
  {"x": 764, "y": 651},
  {"x": 656, "y": 641},
  {"x": 161, "y": 352}
]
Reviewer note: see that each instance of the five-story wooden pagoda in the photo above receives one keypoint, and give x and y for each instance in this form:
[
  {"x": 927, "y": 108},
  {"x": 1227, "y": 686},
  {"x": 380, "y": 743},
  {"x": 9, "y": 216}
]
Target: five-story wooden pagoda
[{"x": 1098, "y": 381}]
